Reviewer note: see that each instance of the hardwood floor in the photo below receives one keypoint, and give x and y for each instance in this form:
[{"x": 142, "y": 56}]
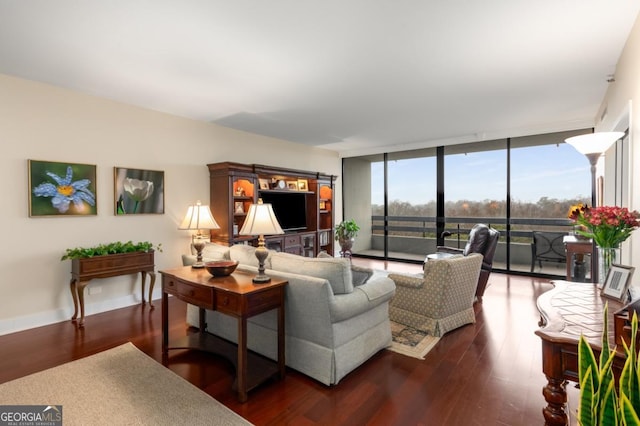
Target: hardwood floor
[{"x": 487, "y": 373}]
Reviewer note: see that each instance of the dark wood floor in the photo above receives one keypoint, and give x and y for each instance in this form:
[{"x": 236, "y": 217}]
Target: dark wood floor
[{"x": 487, "y": 373}]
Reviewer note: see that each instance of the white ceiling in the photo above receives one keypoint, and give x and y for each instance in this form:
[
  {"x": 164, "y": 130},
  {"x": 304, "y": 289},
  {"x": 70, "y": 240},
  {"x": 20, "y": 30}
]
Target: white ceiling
[{"x": 356, "y": 76}]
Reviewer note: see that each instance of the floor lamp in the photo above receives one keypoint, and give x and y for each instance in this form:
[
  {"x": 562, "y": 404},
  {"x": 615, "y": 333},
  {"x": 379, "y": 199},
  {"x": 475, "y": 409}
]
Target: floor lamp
[{"x": 593, "y": 145}]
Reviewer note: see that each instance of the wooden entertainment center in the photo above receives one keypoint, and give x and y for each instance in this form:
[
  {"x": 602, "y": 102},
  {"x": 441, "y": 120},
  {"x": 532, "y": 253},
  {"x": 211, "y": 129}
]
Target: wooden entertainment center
[{"x": 302, "y": 200}]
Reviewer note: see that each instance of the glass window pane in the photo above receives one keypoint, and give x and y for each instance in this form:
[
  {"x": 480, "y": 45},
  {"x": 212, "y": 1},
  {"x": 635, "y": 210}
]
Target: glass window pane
[
  {"x": 547, "y": 177},
  {"x": 475, "y": 189},
  {"x": 411, "y": 192}
]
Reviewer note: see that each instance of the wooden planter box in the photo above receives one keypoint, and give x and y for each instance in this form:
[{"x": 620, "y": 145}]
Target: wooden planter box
[
  {"x": 86, "y": 269},
  {"x": 112, "y": 265}
]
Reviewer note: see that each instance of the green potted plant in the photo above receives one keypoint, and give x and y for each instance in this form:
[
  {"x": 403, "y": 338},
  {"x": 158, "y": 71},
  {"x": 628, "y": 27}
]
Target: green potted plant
[
  {"x": 110, "y": 248},
  {"x": 600, "y": 404},
  {"x": 346, "y": 232}
]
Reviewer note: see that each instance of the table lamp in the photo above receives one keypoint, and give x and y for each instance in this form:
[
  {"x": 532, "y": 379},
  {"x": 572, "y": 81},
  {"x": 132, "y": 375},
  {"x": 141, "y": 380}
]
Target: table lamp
[
  {"x": 593, "y": 145},
  {"x": 261, "y": 220},
  {"x": 198, "y": 217}
]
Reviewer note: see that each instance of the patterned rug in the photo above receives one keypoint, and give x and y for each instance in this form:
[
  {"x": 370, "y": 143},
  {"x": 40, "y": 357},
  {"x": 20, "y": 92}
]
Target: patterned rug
[{"x": 411, "y": 342}]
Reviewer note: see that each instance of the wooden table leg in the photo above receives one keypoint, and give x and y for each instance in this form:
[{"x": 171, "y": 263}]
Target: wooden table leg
[
  {"x": 242, "y": 360},
  {"x": 74, "y": 294},
  {"x": 281, "y": 354},
  {"x": 80, "y": 290},
  {"x": 165, "y": 325},
  {"x": 555, "y": 394},
  {"x": 151, "y": 284}
]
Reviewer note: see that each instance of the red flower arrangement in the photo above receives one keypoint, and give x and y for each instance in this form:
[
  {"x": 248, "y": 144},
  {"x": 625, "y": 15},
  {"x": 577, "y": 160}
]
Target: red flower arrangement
[{"x": 607, "y": 226}]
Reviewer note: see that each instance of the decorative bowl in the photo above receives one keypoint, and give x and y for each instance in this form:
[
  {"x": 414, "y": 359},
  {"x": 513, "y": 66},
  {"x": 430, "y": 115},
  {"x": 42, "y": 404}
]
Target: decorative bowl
[{"x": 221, "y": 268}]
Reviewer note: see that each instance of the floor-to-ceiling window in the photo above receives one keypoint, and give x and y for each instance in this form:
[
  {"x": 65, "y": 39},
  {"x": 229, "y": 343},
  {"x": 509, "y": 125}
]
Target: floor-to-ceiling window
[
  {"x": 548, "y": 176},
  {"x": 475, "y": 191},
  {"x": 517, "y": 185}
]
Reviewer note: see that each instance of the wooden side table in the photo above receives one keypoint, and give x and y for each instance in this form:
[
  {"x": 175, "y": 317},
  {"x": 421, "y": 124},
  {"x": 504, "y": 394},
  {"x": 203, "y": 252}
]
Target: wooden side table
[
  {"x": 566, "y": 312},
  {"x": 235, "y": 295},
  {"x": 579, "y": 247}
]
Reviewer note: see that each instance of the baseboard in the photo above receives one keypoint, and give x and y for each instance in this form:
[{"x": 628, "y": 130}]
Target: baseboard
[{"x": 39, "y": 319}]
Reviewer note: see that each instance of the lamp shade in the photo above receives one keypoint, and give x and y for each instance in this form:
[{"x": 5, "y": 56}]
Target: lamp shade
[
  {"x": 594, "y": 143},
  {"x": 261, "y": 220},
  {"x": 198, "y": 217}
]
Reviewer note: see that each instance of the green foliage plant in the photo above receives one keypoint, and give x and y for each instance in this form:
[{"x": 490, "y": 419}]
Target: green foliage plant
[
  {"x": 346, "y": 230},
  {"x": 600, "y": 404},
  {"x": 110, "y": 248}
]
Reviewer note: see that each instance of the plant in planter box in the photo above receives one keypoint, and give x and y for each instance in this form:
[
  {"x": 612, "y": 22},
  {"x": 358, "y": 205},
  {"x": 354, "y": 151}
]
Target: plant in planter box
[
  {"x": 600, "y": 404},
  {"x": 110, "y": 248},
  {"x": 346, "y": 232}
]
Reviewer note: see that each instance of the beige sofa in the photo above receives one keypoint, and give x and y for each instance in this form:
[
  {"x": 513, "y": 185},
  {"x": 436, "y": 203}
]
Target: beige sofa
[
  {"x": 332, "y": 324},
  {"x": 440, "y": 299}
]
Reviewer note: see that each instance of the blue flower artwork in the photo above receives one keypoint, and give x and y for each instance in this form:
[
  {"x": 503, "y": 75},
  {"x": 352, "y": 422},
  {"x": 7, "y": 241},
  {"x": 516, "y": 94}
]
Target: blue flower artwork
[{"x": 62, "y": 189}]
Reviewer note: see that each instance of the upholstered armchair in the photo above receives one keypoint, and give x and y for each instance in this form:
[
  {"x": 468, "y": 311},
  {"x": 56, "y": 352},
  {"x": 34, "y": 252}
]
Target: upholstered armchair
[
  {"x": 483, "y": 240},
  {"x": 441, "y": 298}
]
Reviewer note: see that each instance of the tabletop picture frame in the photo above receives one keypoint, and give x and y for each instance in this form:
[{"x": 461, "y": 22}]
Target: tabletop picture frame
[{"x": 617, "y": 282}]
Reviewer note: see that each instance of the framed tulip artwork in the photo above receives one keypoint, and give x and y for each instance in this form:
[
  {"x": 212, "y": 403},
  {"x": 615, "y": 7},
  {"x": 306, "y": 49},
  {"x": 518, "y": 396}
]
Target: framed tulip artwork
[
  {"x": 138, "y": 191},
  {"x": 62, "y": 189}
]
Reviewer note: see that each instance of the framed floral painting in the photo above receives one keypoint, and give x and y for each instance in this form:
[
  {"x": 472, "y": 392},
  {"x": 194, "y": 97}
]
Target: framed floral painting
[
  {"x": 62, "y": 189},
  {"x": 138, "y": 191}
]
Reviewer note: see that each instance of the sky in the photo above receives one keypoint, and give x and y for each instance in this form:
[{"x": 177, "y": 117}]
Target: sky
[{"x": 552, "y": 171}]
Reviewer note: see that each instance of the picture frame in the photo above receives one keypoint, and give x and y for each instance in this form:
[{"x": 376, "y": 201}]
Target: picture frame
[
  {"x": 264, "y": 183},
  {"x": 137, "y": 191},
  {"x": 62, "y": 189},
  {"x": 292, "y": 185},
  {"x": 617, "y": 282},
  {"x": 238, "y": 207},
  {"x": 303, "y": 185}
]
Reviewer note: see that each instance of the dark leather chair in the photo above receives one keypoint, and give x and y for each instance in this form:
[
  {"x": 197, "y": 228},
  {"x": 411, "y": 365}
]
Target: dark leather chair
[
  {"x": 483, "y": 240},
  {"x": 547, "y": 247}
]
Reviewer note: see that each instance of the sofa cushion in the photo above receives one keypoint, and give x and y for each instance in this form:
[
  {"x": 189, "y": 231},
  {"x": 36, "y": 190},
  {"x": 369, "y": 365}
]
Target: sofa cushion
[
  {"x": 359, "y": 274},
  {"x": 213, "y": 251},
  {"x": 246, "y": 255},
  {"x": 335, "y": 270}
]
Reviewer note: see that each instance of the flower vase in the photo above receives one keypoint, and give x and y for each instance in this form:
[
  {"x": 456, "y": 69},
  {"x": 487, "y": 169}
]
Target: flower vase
[{"x": 607, "y": 256}]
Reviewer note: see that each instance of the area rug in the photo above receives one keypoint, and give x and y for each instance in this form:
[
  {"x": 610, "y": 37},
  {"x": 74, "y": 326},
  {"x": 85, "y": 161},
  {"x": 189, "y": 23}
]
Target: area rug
[
  {"x": 119, "y": 386},
  {"x": 411, "y": 342}
]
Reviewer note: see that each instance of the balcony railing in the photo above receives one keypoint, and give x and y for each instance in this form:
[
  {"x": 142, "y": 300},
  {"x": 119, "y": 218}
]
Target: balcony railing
[{"x": 411, "y": 237}]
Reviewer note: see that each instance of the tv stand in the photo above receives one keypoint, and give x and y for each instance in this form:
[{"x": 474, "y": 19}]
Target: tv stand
[{"x": 234, "y": 187}]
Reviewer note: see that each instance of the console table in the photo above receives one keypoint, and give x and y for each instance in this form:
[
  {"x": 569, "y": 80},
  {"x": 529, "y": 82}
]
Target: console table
[
  {"x": 235, "y": 295},
  {"x": 567, "y": 311},
  {"x": 85, "y": 269}
]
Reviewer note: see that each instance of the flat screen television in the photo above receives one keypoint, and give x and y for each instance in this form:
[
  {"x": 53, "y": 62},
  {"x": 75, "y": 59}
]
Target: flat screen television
[{"x": 290, "y": 209}]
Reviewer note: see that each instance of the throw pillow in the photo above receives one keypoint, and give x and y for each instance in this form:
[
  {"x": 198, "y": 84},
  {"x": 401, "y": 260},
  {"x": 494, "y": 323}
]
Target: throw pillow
[
  {"x": 246, "y": 255},
  {"x": 360, "y": 275},
  {"x": 213, "y": 251},
  {"x": 335, "y": 270}
]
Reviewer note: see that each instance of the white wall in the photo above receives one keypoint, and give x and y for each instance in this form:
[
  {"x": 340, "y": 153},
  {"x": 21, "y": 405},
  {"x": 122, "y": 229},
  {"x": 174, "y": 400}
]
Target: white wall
[
  {"x": 42, "y": 122},
  {"x": 621, "y": 108}
]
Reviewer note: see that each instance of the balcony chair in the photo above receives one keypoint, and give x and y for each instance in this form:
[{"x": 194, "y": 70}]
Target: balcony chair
[
  {"x": 484, "y": 240},
  {"x": 547, "y": 247}
]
